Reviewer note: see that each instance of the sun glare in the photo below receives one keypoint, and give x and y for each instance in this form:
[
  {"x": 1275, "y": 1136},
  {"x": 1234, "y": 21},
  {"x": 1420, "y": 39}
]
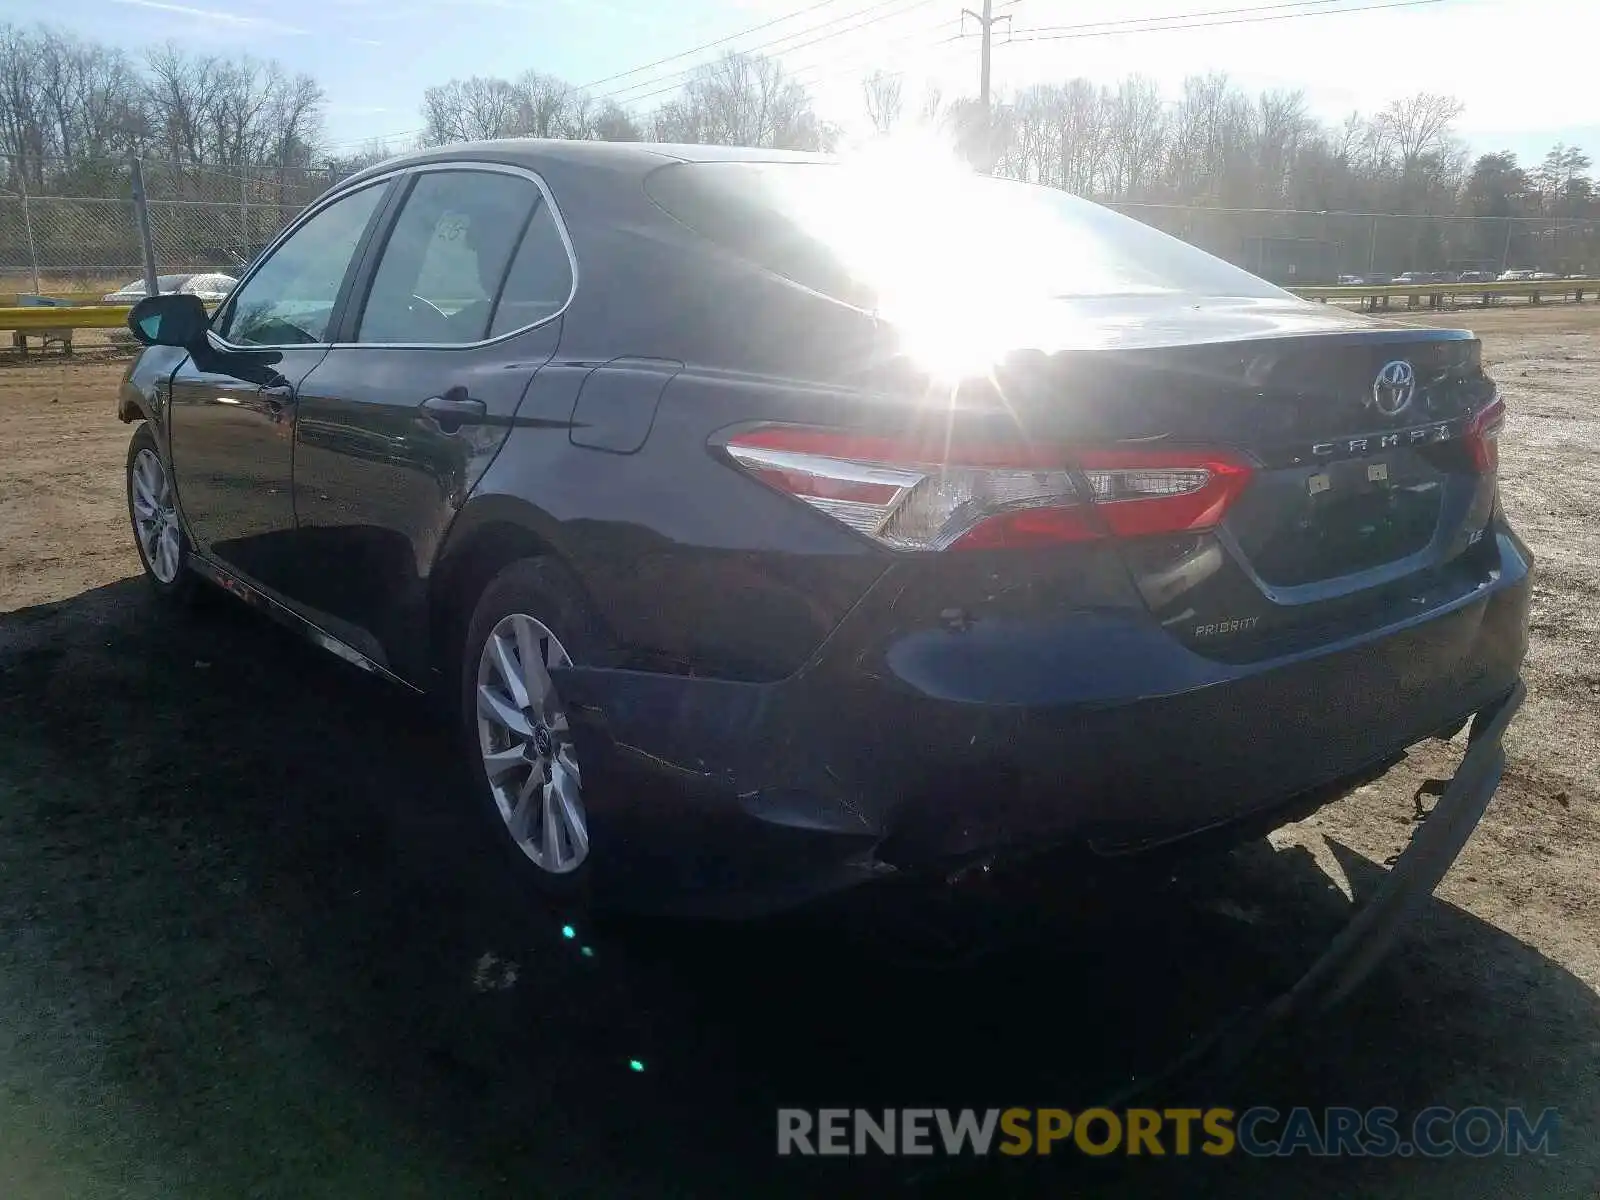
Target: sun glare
[{"x": 937, "y": 246}]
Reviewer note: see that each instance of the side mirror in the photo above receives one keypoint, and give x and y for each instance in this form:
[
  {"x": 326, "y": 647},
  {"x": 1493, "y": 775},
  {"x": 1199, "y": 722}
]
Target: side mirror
[{"x": 169, "y": 320}]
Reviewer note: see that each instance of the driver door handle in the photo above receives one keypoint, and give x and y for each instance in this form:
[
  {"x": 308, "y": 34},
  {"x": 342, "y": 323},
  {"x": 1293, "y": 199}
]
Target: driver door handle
[
  {"x": 455, "y": 408},
  {"x": 275, "y": 399}
]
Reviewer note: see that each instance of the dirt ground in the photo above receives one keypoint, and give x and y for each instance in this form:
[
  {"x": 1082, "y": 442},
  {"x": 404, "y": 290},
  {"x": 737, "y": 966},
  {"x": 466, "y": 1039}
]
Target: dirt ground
[{"x": 248, "y": 946}]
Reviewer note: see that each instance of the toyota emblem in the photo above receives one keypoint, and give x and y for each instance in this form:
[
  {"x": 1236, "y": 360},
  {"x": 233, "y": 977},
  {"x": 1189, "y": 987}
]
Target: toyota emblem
[{"x": 1393, "y": 388}]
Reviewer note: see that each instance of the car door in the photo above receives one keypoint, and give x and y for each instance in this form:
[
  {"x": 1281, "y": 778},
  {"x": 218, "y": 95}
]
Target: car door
[
  {"x": 231, "y": 415},
  {"x": 459, "y": 306}
]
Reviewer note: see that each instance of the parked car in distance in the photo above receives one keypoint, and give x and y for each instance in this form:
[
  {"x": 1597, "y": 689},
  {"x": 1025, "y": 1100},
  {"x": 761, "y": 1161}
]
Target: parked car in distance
[
  {"x": 1350, "y": 281},
  {"x": 210, "y": 286},
  {"x": 1541, "y": 276},
  {"x": 1406, "y": 277},
  {"x": 1377, "y": 279},
  {"x": 1514, "y": 275},
  {"x": 955, "y": 519},
  {"x": 1475, "y": 277}
]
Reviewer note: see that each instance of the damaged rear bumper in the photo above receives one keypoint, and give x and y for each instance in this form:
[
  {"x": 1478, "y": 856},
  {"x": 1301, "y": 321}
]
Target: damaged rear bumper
[{"x": 726, "y": 798}]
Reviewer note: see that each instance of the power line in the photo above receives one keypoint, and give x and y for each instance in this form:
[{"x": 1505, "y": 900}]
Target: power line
[
  {"x": 710, "y": 45},
  {"x": 1219, "y": 12},
  {"x": 673, "y": 81},
  {"x": 374, "y": 137},
  {"x": 1030, "y": 35},
  {"x": 680, "y": 77},
  {"x": 800, "y": 74},
  {"x": 803, "y": 75}
]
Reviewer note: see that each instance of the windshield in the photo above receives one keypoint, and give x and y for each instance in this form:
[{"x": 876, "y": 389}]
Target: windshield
[{"x": 870, "y": 235}]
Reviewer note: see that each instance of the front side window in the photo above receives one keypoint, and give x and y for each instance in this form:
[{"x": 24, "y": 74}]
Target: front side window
[
  {"x": 290, "y": 300},
  {"x": 446, "y": 259}
]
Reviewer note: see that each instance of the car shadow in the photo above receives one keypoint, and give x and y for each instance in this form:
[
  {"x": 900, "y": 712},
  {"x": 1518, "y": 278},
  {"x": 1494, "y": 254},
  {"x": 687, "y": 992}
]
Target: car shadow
[{"x": 242, "y": 890}]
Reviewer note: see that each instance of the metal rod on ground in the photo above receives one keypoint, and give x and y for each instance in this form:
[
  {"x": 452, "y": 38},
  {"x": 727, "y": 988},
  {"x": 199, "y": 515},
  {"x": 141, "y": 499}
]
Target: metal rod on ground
[
  {"x": 141, "y": 217},
  {"x": 27, "y": 228}
]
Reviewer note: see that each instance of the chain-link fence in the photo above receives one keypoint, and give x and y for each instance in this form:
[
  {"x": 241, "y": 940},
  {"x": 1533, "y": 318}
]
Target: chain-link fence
[
  {"x": 84, "y": 236},
  {"x": 81, "y": 233}
]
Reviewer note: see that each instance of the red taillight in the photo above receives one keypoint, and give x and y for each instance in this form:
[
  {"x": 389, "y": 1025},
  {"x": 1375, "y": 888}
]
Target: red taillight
[
  {"x": 1483, "y": 435},
  {"x": 912, "y": 495}
]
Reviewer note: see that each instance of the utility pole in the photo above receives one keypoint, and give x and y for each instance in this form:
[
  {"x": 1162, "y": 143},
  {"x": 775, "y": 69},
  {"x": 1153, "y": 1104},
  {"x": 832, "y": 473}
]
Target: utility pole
[{"x": 986, "y": 23}]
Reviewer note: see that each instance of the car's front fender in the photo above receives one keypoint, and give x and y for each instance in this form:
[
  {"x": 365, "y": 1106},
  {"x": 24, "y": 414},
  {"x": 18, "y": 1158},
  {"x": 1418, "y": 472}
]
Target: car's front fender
[{"x": 142, "y": 394}]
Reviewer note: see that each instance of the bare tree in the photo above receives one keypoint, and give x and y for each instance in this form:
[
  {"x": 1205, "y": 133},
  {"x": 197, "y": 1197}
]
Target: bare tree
[
  {"x": 535, "y": 105},
  {"x": 471, "y": 110},
  {"x": 550, "y": 107},
  {"x": 882, "y": 93},
  {"x": 22, "y": 131},
  {"x": 612, "y": 123},
  {"x": 1283, "y": 126},
  {"x": 90, "y": 96},
  {"x": 742, "y": 100},
  {"x": 293, "y": 114},
  {"x": 1209, "y": 143},
  {"x": 1136, "y": 136},
  {"x": 180, "y": 89},
  {"x": 1418, "y": 126}
]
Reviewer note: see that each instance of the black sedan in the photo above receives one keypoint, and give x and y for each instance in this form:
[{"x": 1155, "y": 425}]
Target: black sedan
[{"x": 775, "y": 523}]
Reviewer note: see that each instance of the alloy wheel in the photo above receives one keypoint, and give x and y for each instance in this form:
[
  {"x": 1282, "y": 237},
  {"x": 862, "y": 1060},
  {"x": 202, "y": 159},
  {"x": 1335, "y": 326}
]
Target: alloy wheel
[
  {"x": 155, "y": 515},
  {"x": 526, "y": 743}
]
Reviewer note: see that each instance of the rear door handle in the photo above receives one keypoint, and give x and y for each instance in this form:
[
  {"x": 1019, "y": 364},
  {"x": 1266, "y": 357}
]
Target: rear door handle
[{"x": 451, "y": 410}]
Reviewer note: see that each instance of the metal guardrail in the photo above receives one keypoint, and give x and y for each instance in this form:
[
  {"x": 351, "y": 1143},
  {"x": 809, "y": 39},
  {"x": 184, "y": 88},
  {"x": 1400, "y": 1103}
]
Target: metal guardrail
[
  {"x": 77, "y": 316},
  {"x": 83, "y": 310},
  {"x": 22, "y": 299},
  {"x": 1535, "y": 289},
  {"x": 55, "y": 322}
]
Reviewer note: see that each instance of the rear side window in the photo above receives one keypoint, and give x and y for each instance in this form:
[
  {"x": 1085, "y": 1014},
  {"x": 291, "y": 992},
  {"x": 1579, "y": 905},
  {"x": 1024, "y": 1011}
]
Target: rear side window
[
  {"x": 539, "y": 283},
  {"x": 446, "y": 257}
]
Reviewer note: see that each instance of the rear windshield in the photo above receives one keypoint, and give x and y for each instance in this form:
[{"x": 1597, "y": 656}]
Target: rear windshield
[{"x": 860, "y": 234}]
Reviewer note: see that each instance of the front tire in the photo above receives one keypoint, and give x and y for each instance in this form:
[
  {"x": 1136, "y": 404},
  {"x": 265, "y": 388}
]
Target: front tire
[
  {"x": 515, "y": 726},
  {"x": 157, "y": 531}
]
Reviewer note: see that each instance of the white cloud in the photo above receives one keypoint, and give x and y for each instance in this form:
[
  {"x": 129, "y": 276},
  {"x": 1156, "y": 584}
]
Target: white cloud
[{"x": 230, "y": 20}]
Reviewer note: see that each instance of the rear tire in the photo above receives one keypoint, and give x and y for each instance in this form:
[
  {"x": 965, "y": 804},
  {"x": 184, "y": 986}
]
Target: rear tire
[
  {"x": 514, "y": 726},
  {"x": 157, "y": 529}
]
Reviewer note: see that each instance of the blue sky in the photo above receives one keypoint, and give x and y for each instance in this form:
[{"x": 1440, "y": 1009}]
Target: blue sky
[{"x": 374, "y": 57}]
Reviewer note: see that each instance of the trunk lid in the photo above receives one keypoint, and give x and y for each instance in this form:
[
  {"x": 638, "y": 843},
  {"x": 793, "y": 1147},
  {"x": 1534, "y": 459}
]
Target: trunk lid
[{"x": 1367, "y": 488}]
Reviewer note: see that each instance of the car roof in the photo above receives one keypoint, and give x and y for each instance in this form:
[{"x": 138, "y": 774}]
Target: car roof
[
  {"x": 534, "y": 152},
  {"x": 162, "y": 281}
]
